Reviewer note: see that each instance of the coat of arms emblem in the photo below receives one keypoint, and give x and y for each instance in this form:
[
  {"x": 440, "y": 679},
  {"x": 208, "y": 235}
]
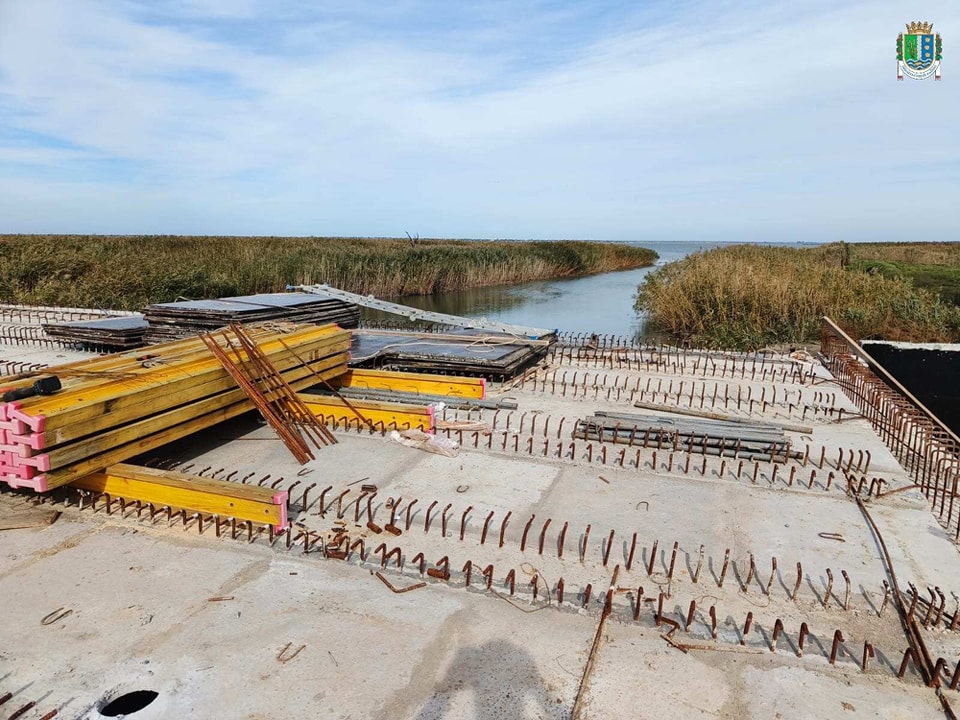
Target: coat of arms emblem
[{"x": 919, "y": 52}]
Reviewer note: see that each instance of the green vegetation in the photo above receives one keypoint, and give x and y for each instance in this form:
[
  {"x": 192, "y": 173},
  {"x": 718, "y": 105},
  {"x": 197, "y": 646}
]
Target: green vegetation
[
  {"x": 931, "y": 266},
  {"x": 128, "y": 272},
  {"x": 750, "y": 296}
]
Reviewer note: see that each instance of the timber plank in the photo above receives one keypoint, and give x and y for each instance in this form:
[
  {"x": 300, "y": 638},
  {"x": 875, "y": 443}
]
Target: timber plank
[
  {"x": 189, "y": 492},
  {"x": 415, "y": 383},
  {"x": 400, "y": 414},
  {"x": 76, "y": 396}
]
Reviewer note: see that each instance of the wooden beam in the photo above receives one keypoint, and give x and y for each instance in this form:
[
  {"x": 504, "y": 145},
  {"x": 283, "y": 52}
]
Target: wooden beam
[
  {"x": 57, "y": 477},
  {"x": 461, "y": 387},
  {"x": 182, "y": 491},
  {"x": 399, "y": 415}
]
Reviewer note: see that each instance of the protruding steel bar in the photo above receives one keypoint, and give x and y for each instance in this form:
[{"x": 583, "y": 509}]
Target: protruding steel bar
[
  {"x": 723, "y": 571},
  {"x": 835, "y": 648},
  {"x": 777, "y": 629},
  {"x": 526, "y": 529},
  {"x": 486, "y": 526},
  {"x": 503, "y": 526},
  {"x": 543, "y": 535},
  {"x": 463, "y": 521}
]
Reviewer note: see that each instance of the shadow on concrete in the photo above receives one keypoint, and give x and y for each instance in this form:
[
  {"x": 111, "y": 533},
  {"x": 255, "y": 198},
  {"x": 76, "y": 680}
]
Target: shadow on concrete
[{"x": 503, "y": 680}]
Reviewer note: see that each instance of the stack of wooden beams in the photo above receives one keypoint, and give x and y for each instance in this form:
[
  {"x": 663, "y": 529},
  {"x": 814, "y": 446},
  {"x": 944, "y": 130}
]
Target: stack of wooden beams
[{"x": 115, "y": 407}]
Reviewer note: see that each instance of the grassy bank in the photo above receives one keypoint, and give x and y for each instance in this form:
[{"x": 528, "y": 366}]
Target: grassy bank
[
  {"x": 749, "y": 296},
  {"x": 931, "y": 266},
  {"x": 128, "y": 272}
]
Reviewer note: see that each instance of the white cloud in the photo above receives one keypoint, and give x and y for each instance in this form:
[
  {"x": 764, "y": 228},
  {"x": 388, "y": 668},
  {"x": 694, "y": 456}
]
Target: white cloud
[{"x": 732, "y": 118}]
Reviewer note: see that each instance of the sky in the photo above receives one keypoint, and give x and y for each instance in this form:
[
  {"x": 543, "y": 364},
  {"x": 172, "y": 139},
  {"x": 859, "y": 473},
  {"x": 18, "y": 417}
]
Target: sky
[{"x": 609, "y": 119}]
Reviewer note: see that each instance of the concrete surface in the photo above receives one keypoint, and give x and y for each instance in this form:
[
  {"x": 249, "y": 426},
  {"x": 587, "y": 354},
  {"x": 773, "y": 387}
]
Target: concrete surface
[{"x": 225, "y": 628}]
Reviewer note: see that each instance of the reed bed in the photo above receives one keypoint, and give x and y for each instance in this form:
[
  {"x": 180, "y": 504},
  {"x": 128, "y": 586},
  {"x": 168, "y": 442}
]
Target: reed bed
[
  {"x": 129, "y": 272},
  {"x": 931, "y": 266},
  {"x": 911, "y": 253},
  {"x": 750, "y": 296}
]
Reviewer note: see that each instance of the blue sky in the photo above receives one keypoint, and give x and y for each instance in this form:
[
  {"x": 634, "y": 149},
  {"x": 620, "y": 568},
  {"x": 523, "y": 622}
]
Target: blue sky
[{"x": 605, "y": 120}]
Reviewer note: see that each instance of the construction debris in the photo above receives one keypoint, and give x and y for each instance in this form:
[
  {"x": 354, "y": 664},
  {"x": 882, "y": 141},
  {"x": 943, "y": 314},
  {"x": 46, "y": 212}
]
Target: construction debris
[
  {"x": 28, "y": 518},
  {"x": 425, "y": 441}
]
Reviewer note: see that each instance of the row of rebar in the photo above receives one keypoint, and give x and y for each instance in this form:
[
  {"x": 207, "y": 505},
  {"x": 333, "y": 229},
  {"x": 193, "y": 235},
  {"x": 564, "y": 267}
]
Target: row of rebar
[
  {"x": 25, "y": 708},
  {"x": 342, "y": 546},
  {"x": 926, "y": 448},
  {"x": 44, "y": 313},
  {"x": 676, "y": 360},
  {"x": 664, "y": 457},
  {"x": 401, "y": 519},
  {"x": 536, "y": 591},
  {"x": 22, "y": 333},
  {"x": 16, "y": 367},
  {"x": 693, "y": 393},
  {"x": 273, "y": 397}
]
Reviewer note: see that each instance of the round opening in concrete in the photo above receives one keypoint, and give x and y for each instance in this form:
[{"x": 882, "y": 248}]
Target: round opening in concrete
[{"x": 128, "y": 703}]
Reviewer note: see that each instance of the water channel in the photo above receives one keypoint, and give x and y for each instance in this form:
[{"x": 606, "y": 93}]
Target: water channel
[{"x": 598, "y": 303}]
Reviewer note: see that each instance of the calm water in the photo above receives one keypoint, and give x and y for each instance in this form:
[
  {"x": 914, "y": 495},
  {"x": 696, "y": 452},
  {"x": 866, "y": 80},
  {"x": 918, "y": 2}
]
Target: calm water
[{"x": 599, "y": 303}]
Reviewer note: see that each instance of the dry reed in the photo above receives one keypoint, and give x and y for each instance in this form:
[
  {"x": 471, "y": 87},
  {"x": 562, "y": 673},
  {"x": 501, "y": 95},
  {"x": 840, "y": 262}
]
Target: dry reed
[
  {"x": 749, "y": 296},
  {"x": 128, "y": 272}
]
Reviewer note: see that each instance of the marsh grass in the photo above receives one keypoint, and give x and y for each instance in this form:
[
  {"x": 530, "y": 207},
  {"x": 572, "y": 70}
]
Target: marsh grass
[
  {"x": 128, "y": 272},
  {"x": 943, "y": 280},
  {"x": 911, "y": 253},
  {"x": 749, "y": 296}
]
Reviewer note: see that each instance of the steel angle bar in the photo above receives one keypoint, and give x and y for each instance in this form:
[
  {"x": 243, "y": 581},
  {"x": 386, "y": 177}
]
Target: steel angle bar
[{"x": 417, "y": 314}]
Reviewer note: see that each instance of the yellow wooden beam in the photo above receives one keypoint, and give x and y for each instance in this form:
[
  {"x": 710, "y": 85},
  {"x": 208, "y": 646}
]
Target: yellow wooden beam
[
  {"x": 461, "y": 387},
  {"x": 181, "y": 491},
  {"x": 384, "y": 416}
]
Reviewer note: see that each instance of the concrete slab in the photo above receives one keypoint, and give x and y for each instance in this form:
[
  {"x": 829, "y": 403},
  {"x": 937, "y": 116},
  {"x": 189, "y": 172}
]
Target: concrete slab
[{"x": 220, "y": 626}]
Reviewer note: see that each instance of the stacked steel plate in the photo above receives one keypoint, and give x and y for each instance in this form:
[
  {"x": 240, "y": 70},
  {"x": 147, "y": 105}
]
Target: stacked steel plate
[
  {"x": 111, "y": 332},
  {"x": 467, "y": 352},
  {"x": 183, "y": 319},
  {"x": 754, "y": 441},
  {"x": 112, "y": 408}
]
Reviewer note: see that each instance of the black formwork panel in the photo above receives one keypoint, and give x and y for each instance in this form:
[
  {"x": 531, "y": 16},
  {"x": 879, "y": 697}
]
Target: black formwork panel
[
  {"x": 122, "y": 332},
  {"x": 467, "y": 352}
]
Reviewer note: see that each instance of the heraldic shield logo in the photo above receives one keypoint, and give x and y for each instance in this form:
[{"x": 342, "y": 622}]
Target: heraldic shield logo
[{"x": 919, "y": 52}]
